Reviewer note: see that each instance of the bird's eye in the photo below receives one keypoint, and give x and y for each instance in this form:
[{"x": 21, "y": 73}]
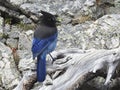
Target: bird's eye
[{"x": 53, "y": 19}]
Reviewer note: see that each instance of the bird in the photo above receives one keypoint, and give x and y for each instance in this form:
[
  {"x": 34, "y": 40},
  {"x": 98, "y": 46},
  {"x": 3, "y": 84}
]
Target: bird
[{"x": 44, "y": 42}]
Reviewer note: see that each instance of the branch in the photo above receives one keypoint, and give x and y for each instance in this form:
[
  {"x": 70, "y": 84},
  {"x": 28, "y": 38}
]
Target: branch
[
  {"x": 27, "y": 81},
  {"x": 77, "y": 67}
]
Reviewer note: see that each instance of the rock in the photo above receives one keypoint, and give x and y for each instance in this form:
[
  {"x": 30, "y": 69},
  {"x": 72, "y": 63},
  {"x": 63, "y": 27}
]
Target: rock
[
  {"x": 25, "y": 20},
  {"x": 1, "y": 88},
  {"x": 64, "y": 37},
  {"x": 18, "y": 2},
  {"x": 24, "y": 42},
  {"x": 12, "y": 43},
  {"x": 94, "y": 9},
  {"x": 105, "y": 30},
  {"x": 1, "y": 24},
  {"x": 29, "y": 32},
  {"x": 14, "y": 34},
  {"x": 5, "y": 51},
  {"x": 33, "y": 7},
  {"x": 115, "y": 9},
  {"x": 7, "y": 29},
  {"x": 24, "y": 54},
  {"x": 13, "y": 37},
  {"x": 103, "y": 33},
  {"x": 89, "y": 2},
  {"x": 9, "y": 76},
  {"x": 97, "y": 82},
  {"x": 26, "y": 64},
  {"x": 71, "y": 36},
  {"x": 89, "y": 11},
  {"x": 1, "y": 28},
  {"x": 66, "y": 8}
]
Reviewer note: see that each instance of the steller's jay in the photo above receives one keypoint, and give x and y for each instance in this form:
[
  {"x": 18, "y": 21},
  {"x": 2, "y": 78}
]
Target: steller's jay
[{"x": 44, "y": 42}]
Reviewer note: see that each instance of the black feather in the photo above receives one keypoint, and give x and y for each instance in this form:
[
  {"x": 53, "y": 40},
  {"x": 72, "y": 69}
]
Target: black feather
[{"x": 47, "y": 26}]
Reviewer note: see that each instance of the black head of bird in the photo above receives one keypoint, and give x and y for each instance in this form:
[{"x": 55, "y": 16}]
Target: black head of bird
[
  {"x": 48, "y": 19},
  {"x": 47, "y": 25}
]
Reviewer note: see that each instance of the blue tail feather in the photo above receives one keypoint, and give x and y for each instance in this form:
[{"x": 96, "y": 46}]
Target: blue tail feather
[{"x": 41, "y": 68}]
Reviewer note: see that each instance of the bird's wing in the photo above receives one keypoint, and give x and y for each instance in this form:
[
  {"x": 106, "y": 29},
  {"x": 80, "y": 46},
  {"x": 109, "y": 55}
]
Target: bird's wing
[{"x": 38, "y": 46}]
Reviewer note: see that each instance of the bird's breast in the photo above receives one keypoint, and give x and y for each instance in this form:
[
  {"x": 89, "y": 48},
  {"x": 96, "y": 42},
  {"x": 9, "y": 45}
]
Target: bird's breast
[
  {"x": 44, "y": 32},
  {"x": 52, "y": 46}
]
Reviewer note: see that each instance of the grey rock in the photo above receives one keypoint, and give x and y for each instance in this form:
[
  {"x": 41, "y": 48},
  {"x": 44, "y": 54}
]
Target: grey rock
[
  {"x": 24, "y": 42},
  {"x": 7, "y": 29},
  {"x": 33, "y": 7},
  {"x": 91, "y": 9},
  {"x": 25, "y": 20},
  {"x": 14, "y": 34},
  {"x": 9, "y": 76},
  {"x": 24, "y": 54},
  {"x": 1, "y": 28},
  {"x": 89, "y": 2},
  {"x": 13, "y": 43},
  {"x": 103, "y": 33},
  {"x": 115, "y": 9},
  {"x": 60, "y": 7},
  {"x": 4, "y": 49},
  {"x": 13, "y": 37},
  {"x": 1, "y": 24},
  {"x": 97, "y": 82},
  {"x": 18, "y": 2},
  {"x": 29, "y": 32},
  {"x": 26, "y": 64},
  {"x": 3, "y": 40},
  {"x": 72, "y": 36},
  {"x": 1, "y": 88}
]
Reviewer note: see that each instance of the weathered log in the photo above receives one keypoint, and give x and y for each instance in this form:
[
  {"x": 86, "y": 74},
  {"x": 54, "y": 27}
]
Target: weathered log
[
  {"x": 75, "y": 67},
  {"x": 27, "y": 81}
]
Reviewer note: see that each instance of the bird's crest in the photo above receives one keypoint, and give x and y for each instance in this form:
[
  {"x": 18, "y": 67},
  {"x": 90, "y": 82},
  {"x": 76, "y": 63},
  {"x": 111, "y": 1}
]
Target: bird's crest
[{"x": 46, "y": 14}]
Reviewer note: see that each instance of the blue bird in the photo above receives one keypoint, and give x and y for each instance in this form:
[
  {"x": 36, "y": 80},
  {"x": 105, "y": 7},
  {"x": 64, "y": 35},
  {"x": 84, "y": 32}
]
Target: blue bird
[{"x": 44, "y": 42}]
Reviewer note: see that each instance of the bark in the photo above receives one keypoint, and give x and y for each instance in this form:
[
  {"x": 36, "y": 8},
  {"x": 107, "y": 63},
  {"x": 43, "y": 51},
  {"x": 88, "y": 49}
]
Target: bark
[
  {"x": 27, "y": 81},
  {"x": 73, "y": 68}
]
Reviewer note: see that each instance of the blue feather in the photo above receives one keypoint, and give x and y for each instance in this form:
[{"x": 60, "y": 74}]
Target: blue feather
[
  {"x": 39, "y": 45},
  {"x": 40, "y": 48},
  {"x": 41, "y": 67}
]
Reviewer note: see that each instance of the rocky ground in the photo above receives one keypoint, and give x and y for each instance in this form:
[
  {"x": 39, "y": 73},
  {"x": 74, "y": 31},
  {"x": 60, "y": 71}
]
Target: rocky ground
[{"x": 85, "y": 24}]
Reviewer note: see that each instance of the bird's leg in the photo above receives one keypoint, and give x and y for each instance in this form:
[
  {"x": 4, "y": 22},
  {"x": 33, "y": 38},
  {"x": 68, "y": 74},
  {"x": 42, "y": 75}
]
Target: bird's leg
[{"x": 52, "y": 58}]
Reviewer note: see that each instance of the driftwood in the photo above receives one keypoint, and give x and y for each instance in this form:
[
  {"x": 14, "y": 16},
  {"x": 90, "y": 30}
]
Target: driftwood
[{"x": 73, "y": 68}]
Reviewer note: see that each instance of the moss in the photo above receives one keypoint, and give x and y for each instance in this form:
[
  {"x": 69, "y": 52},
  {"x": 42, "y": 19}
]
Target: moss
[
  {"x": 4, "y": 36},
  {"x": 8, "y": 20},
  {"x": 1, "y": 34},
  {"x": 81, "y": 19},
  {"x": 20, "y": 24},
  {"x": 26, "y": 26}
]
